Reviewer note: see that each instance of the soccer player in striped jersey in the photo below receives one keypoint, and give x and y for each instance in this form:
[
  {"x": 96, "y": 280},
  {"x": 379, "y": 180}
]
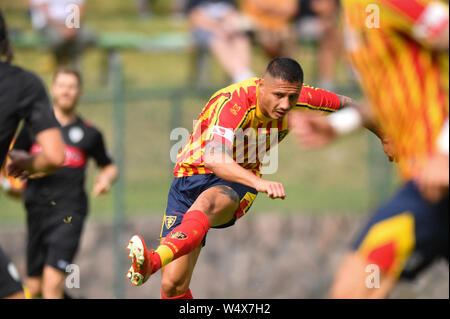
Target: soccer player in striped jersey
[
  {"x": 400, "y": 51},
  {"x": 218, "y": 171}
]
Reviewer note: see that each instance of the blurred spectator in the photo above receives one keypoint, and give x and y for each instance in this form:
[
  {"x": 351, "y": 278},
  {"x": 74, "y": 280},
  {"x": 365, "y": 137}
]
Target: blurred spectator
[
  {"x": 178, "y": 9},
  {"x": 215, "y": 25},
  {"x": 271, "y": 25},
  {"x": 318, "y": 21},
  {"x": 145, "y": 8},
  {"x": 59, "y": 22}
]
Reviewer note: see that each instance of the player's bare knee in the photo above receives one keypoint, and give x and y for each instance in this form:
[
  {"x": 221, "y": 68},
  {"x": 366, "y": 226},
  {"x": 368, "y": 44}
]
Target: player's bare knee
[
  {"x": 216, "y": 201},
  {"x": 221, "y": 202}
]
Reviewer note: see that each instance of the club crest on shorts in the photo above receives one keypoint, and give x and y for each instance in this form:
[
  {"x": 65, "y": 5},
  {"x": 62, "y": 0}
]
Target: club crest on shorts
[
  {"x": 178, "y": 235},
  {"x": 170, "y": 221}
]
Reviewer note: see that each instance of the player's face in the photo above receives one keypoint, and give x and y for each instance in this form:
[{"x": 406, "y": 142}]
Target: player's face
[
  {"x": 277, "y": 97},
  {"x": 65, "y": 91}
]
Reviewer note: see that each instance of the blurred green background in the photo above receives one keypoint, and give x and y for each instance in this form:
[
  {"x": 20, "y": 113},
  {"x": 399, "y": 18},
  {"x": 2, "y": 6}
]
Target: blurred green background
[{"x": 345, "y": 178}]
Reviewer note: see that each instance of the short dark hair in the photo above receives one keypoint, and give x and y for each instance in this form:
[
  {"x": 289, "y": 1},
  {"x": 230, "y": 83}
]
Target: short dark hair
[
  {"x": 6, "y": 52},
  {"x": 69, "y": 70},
  {"x": 286, "y": 69}
]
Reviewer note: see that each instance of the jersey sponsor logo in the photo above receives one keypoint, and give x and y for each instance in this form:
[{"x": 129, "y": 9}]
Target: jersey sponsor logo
[
  {"x": 170, "y": 221},
  {"x": 178, "y": 235},
  {"x": 223, "y": 132},
  {"x": 76, "y": 134},
  {"x": 75, "y": 157}
]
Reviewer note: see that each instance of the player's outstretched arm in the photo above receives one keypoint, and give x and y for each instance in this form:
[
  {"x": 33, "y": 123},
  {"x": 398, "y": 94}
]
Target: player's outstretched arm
[{"x": 218, "y": 159}]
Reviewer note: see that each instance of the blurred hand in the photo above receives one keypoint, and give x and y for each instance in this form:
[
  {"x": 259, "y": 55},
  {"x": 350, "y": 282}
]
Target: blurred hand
[
  {"x": 19, "y": 165},
  {"x": 272, "y": 189},
  {"x": 101, "y": 186},
  {"x": 312, "y": 130},
  {"x": 433, "y": 180},
  {"x": 388, "y": 147}
]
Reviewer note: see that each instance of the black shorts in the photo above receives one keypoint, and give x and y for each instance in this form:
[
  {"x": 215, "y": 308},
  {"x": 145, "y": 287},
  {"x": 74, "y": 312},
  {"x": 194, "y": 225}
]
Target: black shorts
[
  {"x": 9, "y": 277},
  {"x": 54, "y": 232}
]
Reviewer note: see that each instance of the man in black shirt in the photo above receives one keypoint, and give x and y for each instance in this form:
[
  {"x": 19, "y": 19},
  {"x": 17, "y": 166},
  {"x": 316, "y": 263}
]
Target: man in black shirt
[
  {"x": 23, "y": 97},
  {"x": 57, "y": 204}
]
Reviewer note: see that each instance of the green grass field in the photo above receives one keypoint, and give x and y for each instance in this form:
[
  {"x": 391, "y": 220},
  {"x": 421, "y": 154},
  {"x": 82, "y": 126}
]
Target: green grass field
[{"x": 336, "y": 179}]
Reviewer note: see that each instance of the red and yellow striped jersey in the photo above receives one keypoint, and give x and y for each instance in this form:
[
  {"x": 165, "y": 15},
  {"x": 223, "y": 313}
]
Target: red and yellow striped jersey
[
  {"x": 405, "y": 81},
  {"x": 233, "y": 118}
]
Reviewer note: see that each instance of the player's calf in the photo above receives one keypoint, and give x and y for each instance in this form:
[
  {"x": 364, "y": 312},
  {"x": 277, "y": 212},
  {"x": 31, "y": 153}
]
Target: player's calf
[
  {"x": 52, "y": 283},
  {"x": 34, "y": 285},
  {"x": 351, "y": 280}
]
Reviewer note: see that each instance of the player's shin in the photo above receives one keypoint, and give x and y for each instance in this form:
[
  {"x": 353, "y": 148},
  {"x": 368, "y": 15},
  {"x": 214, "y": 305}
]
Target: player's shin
[{"x": 184, "y": 238}]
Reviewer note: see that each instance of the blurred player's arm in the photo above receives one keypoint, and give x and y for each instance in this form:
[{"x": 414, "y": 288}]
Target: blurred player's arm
[
  {"x": 40, "y": 120},
  {"x": 104, "y": 180},
  {"x": 108, "y": 170},
  {"x": 367, "y": 120},
  {"x": 50, "y": 159},
  {"x": 219, "y": 159},
  {"x": 313, "y": 130},
  {"x": 13, "y": 187}
]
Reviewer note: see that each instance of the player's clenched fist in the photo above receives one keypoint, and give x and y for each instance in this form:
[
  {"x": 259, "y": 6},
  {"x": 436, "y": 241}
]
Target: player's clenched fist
[
  {"x": 19, "y": 164},
  {"x": 272, "y": 189}
]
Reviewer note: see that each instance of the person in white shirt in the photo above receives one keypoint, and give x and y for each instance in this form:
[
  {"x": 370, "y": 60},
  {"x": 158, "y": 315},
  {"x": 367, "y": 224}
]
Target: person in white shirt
[{"x": 60, "y": 24}]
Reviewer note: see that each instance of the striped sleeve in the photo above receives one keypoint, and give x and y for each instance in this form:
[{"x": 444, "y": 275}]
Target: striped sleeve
[{"x": 318, "y": 99}]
